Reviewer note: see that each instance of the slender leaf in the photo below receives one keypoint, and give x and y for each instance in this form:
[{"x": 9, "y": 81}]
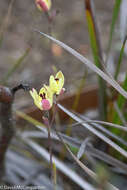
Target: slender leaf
[
  {"x": 107, "y": 132},
  {"x": 107, "y": 124},
  {"x": 75, "y": 143},
  {"x": 116, "y": 10},
  {"x": 97, "y": 54},
  {"x": 120, "y": 58},
  {"x": 120, "y": 103},
  {"x": 94, "y": 131},
  {"x": 89, "y": 64},
  {"x": 54, "y": 176},
  {"x": 82, "y": 148},
  {"x": 28, "y": 118}
]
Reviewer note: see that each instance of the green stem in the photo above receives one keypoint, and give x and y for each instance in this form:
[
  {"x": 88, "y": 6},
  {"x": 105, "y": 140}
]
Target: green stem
[{"x": 46, "y": 122}]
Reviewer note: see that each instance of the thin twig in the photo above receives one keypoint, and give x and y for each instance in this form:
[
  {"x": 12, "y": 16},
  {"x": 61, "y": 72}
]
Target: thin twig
[{"x": 46, "y": 122}]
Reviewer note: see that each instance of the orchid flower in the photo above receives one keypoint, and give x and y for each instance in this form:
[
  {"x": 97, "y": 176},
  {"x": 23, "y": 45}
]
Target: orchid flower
[
  {"x": 44, "y": 99},
  {"x": 43, "y": 5},
  {"x": 56, "y": 83}
]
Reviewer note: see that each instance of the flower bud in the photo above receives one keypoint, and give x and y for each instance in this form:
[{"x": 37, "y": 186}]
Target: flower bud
[{"x": 43, "y": 5}]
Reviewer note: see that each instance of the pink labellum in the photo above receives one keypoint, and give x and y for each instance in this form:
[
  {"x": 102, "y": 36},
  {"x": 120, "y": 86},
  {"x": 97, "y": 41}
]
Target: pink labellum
[{"x": 45, "y": 104}]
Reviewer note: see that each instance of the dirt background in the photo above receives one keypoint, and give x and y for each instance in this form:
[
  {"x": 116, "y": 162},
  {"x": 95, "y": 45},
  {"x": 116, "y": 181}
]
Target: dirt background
[{"x": 69, "y": 26}]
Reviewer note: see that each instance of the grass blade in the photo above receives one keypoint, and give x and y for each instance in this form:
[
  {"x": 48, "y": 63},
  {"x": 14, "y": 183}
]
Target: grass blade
[
  {"x": 106, "y": 158},
  {"x": 93, "y": 33},
  {"x": 82, "y": 148},
  {"x": 107, "y": 132},
  {"x": 89, "y": 64},
  {"x": 72, "y": 142},
  {"x": 114, "y": 19},
  {"x": 107, "y": 124},
  {"x": 97, "y": 54},
  {"x": 29, "y": 119},
  {"x": 120, "y": 103},
  {"x": 94, "y": 131},
  {"x": 120, "y": 58}
]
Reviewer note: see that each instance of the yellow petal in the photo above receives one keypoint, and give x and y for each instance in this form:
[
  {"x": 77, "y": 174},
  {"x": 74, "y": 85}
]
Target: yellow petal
[
  {"x": 38, "y": 104},
  {"x": 60, "y": 75},
  {"x": 37, "y": 99},
  {"x": 48, "y": 4},
  {"x": 53, "y": 84},
  {"x": 49, "y": 92},
  {"x": 34, "y": 94},
  {"x": 56, "y": 84}
]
